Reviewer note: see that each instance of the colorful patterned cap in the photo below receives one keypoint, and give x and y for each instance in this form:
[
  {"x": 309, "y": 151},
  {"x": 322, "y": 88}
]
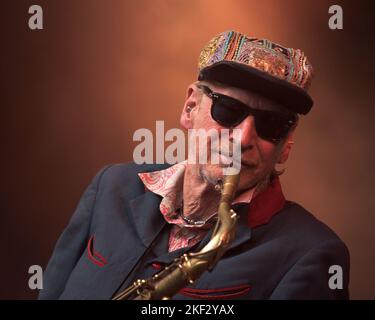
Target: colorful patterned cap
[{"x": 283, "y": 74}]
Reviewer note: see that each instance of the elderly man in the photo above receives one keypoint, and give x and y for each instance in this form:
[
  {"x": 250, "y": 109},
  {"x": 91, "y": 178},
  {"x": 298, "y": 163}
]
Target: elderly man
[{"x": 134, "y": 219}]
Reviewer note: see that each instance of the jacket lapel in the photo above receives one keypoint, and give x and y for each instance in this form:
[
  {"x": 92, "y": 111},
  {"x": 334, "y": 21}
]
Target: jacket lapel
[
  {"x": 148, "y": 221},
  {"x": 146, "y": 216}
]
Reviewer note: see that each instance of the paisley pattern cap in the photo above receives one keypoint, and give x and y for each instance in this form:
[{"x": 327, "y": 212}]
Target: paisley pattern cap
[{"x": 280, "y": 73}]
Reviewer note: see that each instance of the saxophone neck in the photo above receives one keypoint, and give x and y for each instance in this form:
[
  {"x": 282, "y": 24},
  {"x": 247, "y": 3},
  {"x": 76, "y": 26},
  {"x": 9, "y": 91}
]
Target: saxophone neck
[{"x": 229, "y": 188}]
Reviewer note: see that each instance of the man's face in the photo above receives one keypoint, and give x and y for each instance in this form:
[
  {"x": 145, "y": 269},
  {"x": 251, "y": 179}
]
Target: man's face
[{"x": 258, "y": 156}]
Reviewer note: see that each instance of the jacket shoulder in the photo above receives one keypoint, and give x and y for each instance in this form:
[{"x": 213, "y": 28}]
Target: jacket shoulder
[{"x": 302, "y": 226}]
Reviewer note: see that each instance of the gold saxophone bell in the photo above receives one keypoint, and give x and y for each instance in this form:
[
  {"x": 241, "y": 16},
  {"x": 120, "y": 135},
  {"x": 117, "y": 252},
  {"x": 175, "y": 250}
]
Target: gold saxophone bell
[{"x": 189, "y": 267}]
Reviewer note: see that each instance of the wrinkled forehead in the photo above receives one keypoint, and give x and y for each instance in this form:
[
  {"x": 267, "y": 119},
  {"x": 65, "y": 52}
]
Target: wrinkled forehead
[{"x": 248, "y": 97}]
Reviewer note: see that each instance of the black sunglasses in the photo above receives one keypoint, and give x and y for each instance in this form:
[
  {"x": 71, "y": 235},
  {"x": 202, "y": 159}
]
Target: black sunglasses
[{"x": 229, "y": 112}]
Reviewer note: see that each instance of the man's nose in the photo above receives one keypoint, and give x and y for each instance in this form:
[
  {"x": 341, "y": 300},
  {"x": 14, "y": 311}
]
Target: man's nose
[{"x": 248, "y": 131}]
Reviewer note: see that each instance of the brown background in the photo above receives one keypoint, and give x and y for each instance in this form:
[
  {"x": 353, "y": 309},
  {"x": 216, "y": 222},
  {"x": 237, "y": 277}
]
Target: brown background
[{"x": 74, "y": 93}]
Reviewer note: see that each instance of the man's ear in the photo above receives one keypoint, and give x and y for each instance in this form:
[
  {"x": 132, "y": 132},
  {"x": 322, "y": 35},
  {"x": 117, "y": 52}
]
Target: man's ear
[
  {"x": 190, "y": 107},
  {"x": 284, "y": 154}
]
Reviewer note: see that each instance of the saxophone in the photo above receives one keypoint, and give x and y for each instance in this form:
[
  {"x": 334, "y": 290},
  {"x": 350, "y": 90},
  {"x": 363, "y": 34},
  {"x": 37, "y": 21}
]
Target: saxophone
[{"x": 189, "y": 267}]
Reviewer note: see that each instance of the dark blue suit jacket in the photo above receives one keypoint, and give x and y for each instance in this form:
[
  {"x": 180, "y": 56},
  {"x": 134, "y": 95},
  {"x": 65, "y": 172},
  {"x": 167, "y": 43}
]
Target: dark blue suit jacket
[{"x": 116, "y": 221}]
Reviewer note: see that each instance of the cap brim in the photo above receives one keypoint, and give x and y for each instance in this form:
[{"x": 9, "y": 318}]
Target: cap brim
[{"x": 246, "y": 77}]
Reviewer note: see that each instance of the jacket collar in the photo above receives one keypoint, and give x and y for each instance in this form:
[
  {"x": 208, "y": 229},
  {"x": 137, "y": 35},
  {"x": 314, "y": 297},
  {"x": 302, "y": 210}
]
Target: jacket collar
[
  {"x": 259, "y": 212},
  {"x": 266, "y": 204},
  {"x": 168, "y": 183},
  {"x": 150, "y": 223}
]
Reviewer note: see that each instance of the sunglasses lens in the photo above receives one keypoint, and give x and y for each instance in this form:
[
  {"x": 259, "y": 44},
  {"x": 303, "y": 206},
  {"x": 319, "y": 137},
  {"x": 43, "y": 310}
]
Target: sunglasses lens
[
  {"x": 272, "y": 126},
  {"x": 227, "y": 112}
]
